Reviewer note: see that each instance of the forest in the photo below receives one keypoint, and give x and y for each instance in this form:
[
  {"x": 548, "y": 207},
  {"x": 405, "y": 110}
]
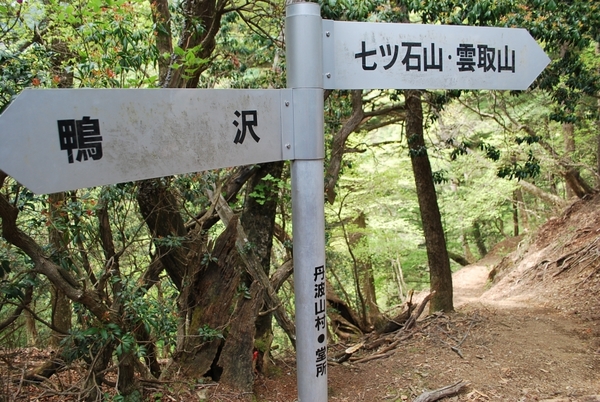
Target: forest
[{"x": 191, "y": 276}]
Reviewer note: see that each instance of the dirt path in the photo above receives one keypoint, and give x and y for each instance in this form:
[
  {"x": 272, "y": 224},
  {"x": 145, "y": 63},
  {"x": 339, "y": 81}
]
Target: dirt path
[{"x": 507, "y": 348}]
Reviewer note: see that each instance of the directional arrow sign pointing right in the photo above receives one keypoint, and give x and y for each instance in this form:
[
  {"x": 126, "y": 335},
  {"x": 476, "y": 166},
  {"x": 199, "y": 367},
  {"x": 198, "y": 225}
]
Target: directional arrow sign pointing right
[
  {"x": 63, "y": 139},
  {"x": 364, "y": 55}
]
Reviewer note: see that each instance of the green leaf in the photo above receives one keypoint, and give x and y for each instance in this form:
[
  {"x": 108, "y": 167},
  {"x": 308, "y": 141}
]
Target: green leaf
[{"x": 179, "y": 51}]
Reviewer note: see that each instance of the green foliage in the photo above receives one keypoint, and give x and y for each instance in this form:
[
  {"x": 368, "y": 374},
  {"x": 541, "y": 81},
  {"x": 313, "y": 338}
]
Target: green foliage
[
  {"x": 348, "y": 10},
  {"x": 208, "y": 334},
  {"x": 189, "y": 61},
  {"x": 207, "y": 258},
  {"x": 14, "y": 290},
  {"x": 268, "y": 188},
  {"x": 169, "y": 241},
  {"x": 244, "y": 291},
  {"x": 440, "y": 176},
  {"x": 157, "y": 314},
  {"x": 140, "y": 308},
  {"x": 105, "y": 44},
  {"x": 529, "y": 169}
]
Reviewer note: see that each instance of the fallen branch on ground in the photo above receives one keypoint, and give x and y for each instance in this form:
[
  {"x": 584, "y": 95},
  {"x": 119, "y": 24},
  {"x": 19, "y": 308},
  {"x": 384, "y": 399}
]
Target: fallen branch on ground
[
  {"x": 456, "y": 348},
  {"x": 435, "y": 395},
  {"x": 413, "y": 318}
]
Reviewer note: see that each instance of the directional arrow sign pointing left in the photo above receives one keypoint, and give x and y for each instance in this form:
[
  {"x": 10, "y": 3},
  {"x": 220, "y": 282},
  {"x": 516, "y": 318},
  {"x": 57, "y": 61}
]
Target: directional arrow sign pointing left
[
  {"x": 363, "y": 55},
  {"x": 63, "y": 139}
]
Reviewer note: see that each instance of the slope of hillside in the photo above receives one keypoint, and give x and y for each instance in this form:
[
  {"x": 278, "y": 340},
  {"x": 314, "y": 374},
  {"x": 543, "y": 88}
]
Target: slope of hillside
[
  {"x": 558, "y": 267},
  {"x": 526, "y": 328}
]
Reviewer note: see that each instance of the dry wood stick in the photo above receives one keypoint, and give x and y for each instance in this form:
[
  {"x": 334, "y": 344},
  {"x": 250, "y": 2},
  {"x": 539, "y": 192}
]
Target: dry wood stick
[
  {"x": 413, "y": 319},
  {"x": 435, "y": 395}
]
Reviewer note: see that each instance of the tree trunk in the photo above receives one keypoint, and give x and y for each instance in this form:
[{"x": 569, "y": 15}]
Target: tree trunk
[
  {"x": 435, "y": 242},
  {"x": 372, "y": 316},
  {"x": 457, "y": 258},
  {"x": 515, "y": 214},
  {"x": 569, "y": 171},
  {"x": 61, "y": 305},
  {"x": 237, "y": 357},
  {"x": 576, "y": 183},
  {"x": 339, "y": 142},
  {"x": 258, "y": 221},
  {"x": 345, "y": 314},
  {"x": 159, "y": 208},
  {"x": 479, "y": 240},
  {"x": 569, "y": 142},
  {"x": 555, "y": 201},
  {"x": 521, "y": 210},
  {"x": 31, "y": 329},
  {"x": 95, "y": 377},
  {"x": 463, "y": 239},
  {"x": 220, "y": 306},
  {"x": 127, "y": 383}
]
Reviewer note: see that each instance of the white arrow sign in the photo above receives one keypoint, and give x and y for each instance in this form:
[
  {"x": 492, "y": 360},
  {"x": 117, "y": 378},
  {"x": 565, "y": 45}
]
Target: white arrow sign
[
  {"x": 361, "y": 55},
  {"x": 56, "y": 140}
]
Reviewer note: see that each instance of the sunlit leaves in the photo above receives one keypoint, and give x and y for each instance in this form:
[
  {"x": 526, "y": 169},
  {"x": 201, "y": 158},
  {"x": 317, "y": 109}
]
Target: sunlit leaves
[
  {"x": 349, "y": 10},
  {"x": 515, "y": 170}
]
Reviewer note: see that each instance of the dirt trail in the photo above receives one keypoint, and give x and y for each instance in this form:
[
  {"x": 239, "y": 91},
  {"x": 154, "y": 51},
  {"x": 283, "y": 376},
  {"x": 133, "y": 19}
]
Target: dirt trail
[
  {"x": 469, "y": 284},
  {"x": 524, "y": 350},
  {"x": 507, "y": 348}
]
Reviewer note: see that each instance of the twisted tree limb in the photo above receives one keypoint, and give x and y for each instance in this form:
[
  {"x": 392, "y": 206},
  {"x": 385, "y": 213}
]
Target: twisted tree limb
[{"x": 254, "y": 268}]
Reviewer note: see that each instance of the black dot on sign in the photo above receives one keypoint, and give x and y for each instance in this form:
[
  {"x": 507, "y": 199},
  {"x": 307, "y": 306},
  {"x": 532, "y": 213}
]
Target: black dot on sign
[
  {"x": 449, "y": 57},
  {"x": 321, "y": 338}
]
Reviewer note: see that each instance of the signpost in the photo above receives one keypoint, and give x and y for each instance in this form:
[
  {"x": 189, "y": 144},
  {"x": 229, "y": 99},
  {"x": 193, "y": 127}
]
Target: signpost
[
  {"x": 63, "y": 139},
  {"x": 362, "y": 55},
  {"x": 303, "y": 30},
  {"x": 57, "y": 140}
]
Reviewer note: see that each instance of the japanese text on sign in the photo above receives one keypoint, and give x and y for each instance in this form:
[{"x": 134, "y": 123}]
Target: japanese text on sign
[
  {"x": 81, "y": 135},
  {"x": 414, "y": 56},
  {"x": 249, "y": 121},
  {"x": 320, "y": 321}
]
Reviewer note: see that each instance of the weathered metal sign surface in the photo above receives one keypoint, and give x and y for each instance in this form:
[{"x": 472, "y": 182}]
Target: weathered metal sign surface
[
  {"x": 56, "y": 140},
  {"x": 362, "y": 55}
]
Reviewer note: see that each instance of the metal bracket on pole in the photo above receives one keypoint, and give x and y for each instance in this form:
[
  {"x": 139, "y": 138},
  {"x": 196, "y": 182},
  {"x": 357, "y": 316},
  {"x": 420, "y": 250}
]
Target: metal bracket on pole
[
  {"x": 329, "y": 53},
  {"x": 302, "y": 111},
  {"x": 304, "y": 53},
  {"x": 308, "y": 124}
]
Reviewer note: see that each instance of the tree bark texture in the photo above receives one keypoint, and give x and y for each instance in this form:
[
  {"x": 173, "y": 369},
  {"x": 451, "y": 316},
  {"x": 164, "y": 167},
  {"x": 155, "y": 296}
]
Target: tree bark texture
[
  {"x": 479, "y": 240},
  {"x": 160, "y": 210},
  {"x": 435, "y": 242},
  {"x": 221, "y": 304},
  {"x": 59, "y": 277},
  {"x": 61, "y": 305},
  {"x": 555, "y": 201},
  {"x": 568, "y": 170},
  {"x": 522, "y": 210},
  {"x": 597, "y": 50},
  {"x": 200, "y": 26},
  {"x": 258, "y": 221},
  {"x": 372, "y": 317},
  {"x": 345, "y": 321},
  {"x": 569, "y": 142}
]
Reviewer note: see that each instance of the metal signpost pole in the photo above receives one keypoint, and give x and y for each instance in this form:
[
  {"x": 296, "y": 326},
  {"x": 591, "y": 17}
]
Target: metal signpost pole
[{"x": 304, "y": 75}]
